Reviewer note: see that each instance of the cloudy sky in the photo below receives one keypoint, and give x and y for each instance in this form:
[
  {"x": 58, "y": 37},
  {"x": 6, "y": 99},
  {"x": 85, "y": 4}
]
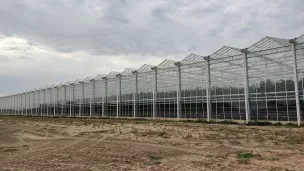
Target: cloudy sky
[{"x": 49, "y": 41}]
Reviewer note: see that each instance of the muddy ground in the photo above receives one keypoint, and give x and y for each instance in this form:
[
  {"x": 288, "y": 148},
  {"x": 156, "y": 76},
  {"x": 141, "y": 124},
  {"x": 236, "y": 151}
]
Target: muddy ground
[{"x": 32, "y": 143}]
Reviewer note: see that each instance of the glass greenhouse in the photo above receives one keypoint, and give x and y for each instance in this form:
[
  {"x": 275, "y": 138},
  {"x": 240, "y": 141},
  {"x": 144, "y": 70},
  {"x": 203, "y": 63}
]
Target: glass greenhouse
[{"x": 263, "y": 82}]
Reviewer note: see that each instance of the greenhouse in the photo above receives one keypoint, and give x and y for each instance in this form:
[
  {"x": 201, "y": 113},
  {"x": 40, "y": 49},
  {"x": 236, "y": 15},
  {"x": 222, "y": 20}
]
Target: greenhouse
[{"x": 263, "y": 82}]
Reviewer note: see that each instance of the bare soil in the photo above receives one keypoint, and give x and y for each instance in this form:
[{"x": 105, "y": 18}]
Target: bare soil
[{"x": 32, "y": 143}]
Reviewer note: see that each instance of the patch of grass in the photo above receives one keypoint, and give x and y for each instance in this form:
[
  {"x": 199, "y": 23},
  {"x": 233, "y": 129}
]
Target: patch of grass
[
  {"x": 277, "y": 124},
  {"x": 154, "y": 160},
  {"x": 259, "y": 123},
  {"x": 291, "y": 125},
  {"x": 244, "y": 158},
  {"x": 245, "y": 155},
  {"x": 152, "y": 157},
  {"x": 230, "y": 122}
]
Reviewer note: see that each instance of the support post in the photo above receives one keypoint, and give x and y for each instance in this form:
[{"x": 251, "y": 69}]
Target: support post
[
  {"x": 54, "y": 99},
  {"x": 154, "y": 69},
  {"x": 7, "y": 104},
  {"x": 44, "y": 90},
  {"x": 178, "y": 90},
  {"x": 92, "y": 96},
  {"x": 104, "y": 102},
  {"x": 31, "y": 103},
  {"x": 246, "y": 84},
  {"x": 26, "y": 103},
  {"x": 118, "y": 90},
  {"x": 72, "y": 99},
  {"x": 57, "y": 100},
  {"x": 15, "y": 104},
  {"x": 39, "y": 102},
  {"x": 21, "y": 105},
  {"x": 82, "y": 97},
  {"x": 64, "y": 101},
  {"x": 42, "y": 103},
  {"x": 135, "y": 93},
  {"x": 208, "y": 88},
  {"x": 50, "y": 101},
  {"x": 0, "y": 105},
  {"x": 34, "y": 106},
  {"x": 295, "y": 79}
]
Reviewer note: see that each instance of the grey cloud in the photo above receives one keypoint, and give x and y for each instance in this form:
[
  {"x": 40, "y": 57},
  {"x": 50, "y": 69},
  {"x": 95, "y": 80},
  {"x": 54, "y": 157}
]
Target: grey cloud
[
  {"x": 137, "y": 29},
  {"x": 105, "y": 27}
]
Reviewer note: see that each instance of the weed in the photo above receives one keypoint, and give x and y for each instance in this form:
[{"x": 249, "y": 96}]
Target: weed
[
  {"x": 291, "y": 125},
  {"x": 259, "y": 123},
  {"x": 244, "y": 158},
  {"x": 229, "y": 122},
  {"x": 278, "y": 124},
  {"x": 154, "y": 160},
  {"x": 152, "y": 157}
]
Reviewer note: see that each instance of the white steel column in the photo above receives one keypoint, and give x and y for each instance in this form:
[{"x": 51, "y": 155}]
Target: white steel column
[
  {"x": 135, "y": 93},
  {"x": 65, "y": 99},
  {"x": 118, "y": 90},
  {"x": 72, "y": 98},
  {"x": 12, "y": 104},
  {"x": 295, "y": 79},
  {"x": 6, "y": 105},
  {"x": 50, "y": 98},
  {"x": 92, "y": 96},
  {"x": 21, "y": 104},
  {"x": 246, "y": 84},
  {"x": 35, "y": 109},
  {"x": 62, "y": 100},
  {"x": 54, "y": 104},
  {"x": 1, "y": 100},
  {"x": 25, "y": 104},
  {"x": 0, "y": 105},
  {"x": 178, "y": 89},
  {"x": 44, "y": 104},
  {"x": 155, "y": 92},
  {"x": 38, "y": 104},
  {"x": 57, "y": 99},
  {"x": 14, "y": 97},
  {"x": 104, "y": 101},
  {"x": 82, "y": 97},
  {"x": 208, "y": 88},
  {"x": 41, "y": 104},
  {"x": 31, "y": 103},
  {"x": 3, "y": 105}
]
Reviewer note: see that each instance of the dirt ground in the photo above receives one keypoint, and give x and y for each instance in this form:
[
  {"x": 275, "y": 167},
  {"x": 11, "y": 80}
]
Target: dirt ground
[{"x": 32, "y": 143}]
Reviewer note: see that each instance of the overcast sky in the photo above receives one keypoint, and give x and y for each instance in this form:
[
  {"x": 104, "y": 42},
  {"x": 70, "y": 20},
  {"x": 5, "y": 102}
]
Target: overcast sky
[{"x": 43, "y": 42}]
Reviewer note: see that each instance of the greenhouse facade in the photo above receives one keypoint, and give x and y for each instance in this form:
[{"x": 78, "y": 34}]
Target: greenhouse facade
[{"x": 263, "y": 82}]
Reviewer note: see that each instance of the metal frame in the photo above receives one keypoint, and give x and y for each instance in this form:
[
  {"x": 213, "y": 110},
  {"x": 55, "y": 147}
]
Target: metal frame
[{"x": 262, "y": 82}]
